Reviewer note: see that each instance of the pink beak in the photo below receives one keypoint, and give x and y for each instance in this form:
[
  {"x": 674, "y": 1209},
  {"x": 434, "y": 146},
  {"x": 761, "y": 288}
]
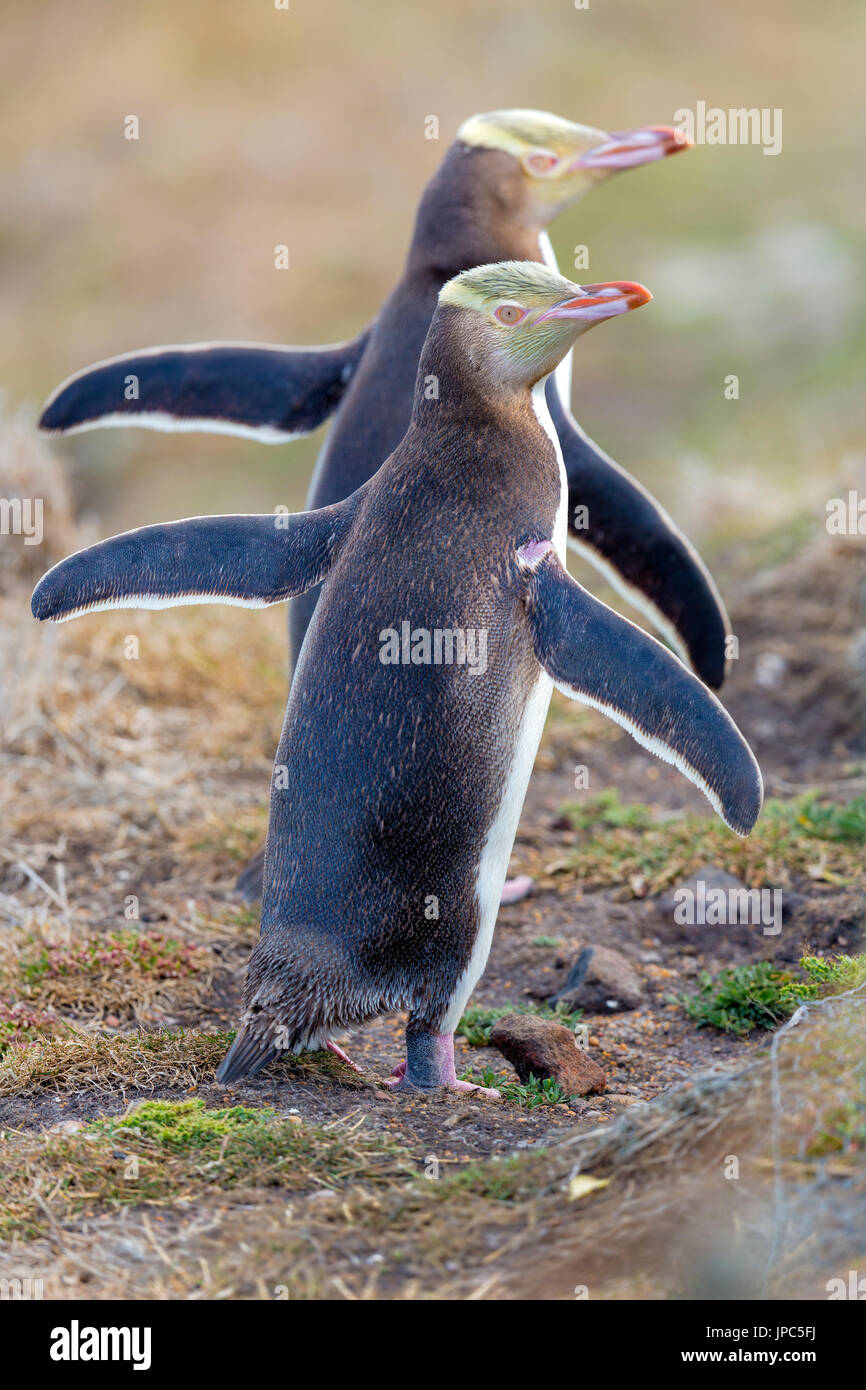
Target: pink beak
[
  {"x": 596, "y": 302},
  {"x": 630, "y": 148}
]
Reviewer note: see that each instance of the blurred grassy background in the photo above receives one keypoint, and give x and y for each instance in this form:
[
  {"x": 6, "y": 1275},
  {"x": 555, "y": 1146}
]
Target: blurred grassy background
[{"x": 261, "y": 126}]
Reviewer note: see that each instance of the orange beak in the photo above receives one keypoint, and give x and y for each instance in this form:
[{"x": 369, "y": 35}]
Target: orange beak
[
  {"x": 631, "y": 148},
  {"x": 597, "y": 302}
]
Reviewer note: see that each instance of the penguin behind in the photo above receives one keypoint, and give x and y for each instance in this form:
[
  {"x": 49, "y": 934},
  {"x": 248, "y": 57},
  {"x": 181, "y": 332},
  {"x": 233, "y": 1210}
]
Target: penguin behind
[
  {"x": 462, "y": 529},
  {"x": 500, "y": 185}
]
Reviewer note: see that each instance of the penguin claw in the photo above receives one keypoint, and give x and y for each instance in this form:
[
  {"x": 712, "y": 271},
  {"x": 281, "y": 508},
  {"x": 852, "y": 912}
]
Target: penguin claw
[{"x": 489, "y": 1091}]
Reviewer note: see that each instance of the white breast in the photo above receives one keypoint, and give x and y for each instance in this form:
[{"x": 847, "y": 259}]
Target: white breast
[{"x": 496, "y": 852}]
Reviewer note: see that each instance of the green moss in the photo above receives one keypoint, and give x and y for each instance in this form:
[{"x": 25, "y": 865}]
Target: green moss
[
  {"x": 498, "y": 1180},
  {"x": 151, "y": 952},
  {"x": 185, "y": 1125}
]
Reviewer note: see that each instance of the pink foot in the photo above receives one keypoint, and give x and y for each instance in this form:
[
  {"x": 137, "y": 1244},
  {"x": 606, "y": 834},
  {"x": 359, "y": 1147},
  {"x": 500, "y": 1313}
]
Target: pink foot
[
  {"x": 433, "y": 1058},
  {"x": 338, "y": 1052},
  {"x": 516, "y": 889}
]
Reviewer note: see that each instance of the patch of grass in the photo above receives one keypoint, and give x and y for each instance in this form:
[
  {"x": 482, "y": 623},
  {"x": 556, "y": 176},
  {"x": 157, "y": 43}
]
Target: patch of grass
[
  {"x": 150, "y": 952},
  {"x": 759, "y": 995},
  {"x": 624, "y": 845},
  {"x": 142, "y": 1060},
  {"x": 842, "y": 1128},
  {"x": 497, "y": 1180},
  {"x": 546, "y": 941},
  {"x": 606, "y": 809},
  {"x": 170, "y": 1152},
  {"x": 122, "y": 973},
  {"x": 530, "y": 1094},
  {"x": 478, "y": 1019}
]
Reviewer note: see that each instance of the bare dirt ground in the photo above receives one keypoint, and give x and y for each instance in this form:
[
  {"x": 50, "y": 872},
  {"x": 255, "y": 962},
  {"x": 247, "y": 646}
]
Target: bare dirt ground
[{"x": 127, "y": 782}]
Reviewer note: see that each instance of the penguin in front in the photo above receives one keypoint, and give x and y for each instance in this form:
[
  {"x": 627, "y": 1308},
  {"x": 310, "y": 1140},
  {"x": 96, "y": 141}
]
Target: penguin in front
[
  {"x": 503, "y": 181},
  {"x": 401, "y": 772}
]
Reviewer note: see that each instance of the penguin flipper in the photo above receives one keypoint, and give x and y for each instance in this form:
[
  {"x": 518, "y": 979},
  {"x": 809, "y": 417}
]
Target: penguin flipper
[
  {"x": 601, "y": 659},
  {"x": 640, "y": 550},
  {"x": 249, "y": 389},
  {"x": 245, "y": 561}
]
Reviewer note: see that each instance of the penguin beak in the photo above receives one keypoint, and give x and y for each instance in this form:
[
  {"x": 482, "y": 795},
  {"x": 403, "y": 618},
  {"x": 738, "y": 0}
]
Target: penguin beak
[
  {"x": 630, "y": 148},
  {"x": 596, "y": 302},
  {"x": 248, "y": 1054}
]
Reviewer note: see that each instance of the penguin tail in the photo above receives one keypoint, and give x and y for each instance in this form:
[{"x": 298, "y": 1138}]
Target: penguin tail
[{"x": 248, "y": 1054}]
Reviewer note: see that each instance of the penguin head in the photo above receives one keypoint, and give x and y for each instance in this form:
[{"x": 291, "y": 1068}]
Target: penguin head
[
  {"x": 559, "y": 160},
  {"x": 517, "y": 319}
]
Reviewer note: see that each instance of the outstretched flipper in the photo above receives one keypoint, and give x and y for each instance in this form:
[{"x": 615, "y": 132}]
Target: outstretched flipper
[
  {"x": 250, "y": 389},
  {"x": 639, "y": 549},
  {"x": 247, "y": 561},
  {"x": 603, "y": 660}
]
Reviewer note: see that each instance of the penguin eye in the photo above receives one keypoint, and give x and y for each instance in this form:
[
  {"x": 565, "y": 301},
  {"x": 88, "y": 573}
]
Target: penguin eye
[
  {"x": 510, "y": 314},
  {"x": 539, "y": 162}
]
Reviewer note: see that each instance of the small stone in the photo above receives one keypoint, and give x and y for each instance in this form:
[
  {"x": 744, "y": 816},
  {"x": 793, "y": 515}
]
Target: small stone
[
  {"x": 601, "y": 981},
  {"x": 66, "y": 1127},
  {"x": 535, "y": 1046}
]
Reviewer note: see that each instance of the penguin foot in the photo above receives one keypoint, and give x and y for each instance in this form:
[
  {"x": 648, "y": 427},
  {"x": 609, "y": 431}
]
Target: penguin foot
[
  {"x": 516, "y": 889},
  {"x": 397, "y": 1082},
  {"x": 338, "y": 1052},
  {"x": 429, "y": 1066}
]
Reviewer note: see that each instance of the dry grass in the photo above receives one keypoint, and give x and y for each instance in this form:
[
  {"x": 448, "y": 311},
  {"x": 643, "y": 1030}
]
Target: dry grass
[{"x": 145, "y": 1061}]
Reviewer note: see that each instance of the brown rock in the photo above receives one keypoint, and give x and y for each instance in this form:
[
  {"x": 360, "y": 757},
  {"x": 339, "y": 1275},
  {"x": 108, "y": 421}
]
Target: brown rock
[
  {"x": 538, "y": 1047},
  {"x": 601, "y": 981}
]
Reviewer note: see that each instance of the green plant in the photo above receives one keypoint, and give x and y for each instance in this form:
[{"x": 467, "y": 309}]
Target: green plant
[
  {"x": 741, "y": 998},
  {"x": 536, "y": 1091},
  {"x": 826, "y": 975}
]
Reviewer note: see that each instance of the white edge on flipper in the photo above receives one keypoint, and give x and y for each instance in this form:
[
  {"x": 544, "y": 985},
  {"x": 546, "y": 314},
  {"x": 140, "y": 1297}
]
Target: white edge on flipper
[
  {"x": 176, "y": 424},
  {"x": 162, "y": 601},
  {"x": 663, "y": 750},
  {"x": 169, "y": 424}
]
